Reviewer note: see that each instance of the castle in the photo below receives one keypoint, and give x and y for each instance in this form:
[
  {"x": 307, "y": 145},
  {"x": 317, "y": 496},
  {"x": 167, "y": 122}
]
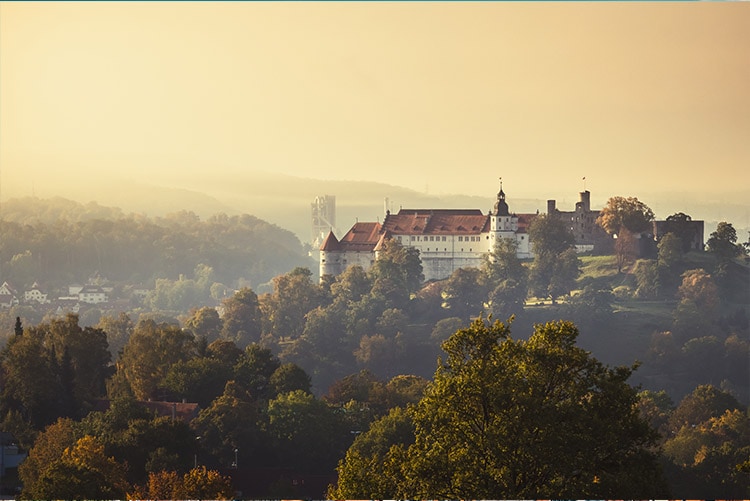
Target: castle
[{"x": 448, "y": 239}]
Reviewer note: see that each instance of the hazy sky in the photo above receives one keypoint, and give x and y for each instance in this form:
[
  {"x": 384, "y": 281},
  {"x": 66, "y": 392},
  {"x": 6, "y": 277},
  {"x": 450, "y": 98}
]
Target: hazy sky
[{"x": 444, "y": 97}]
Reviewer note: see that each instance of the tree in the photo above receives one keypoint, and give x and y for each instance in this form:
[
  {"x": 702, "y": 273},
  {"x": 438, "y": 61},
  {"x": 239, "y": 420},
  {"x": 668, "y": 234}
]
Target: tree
[
  {"x": 554, "y": 275},
  {"x": 199, "y": 379},
  {"x": 705, "y": 402},
  {"x": 626, "y": 248},
  {"x": 206, "y": 323},
  {"x": 503, "y": 264},
  {"x": 367, "y": 472},
  {"x": 150, "y": 352},
  {"x": 465, "y": 294},
  {"x": 527, "y": 419},
  {"x": 118, "y": 331},
  {"x": 293, "y": 297},
  {"x": 679, "y": 225},
  {"x": 307, "y": 434},
  {"x": 82, "y": 472},
  {"x": 234, "y": 421},
  {"x": 198, "y": 483},
  {"x": 48, "y": 448},
  {"x": 698, "y": 286},
  {"x": 83, "y": 351},
  {"x": 399, "y": 264},
  {"x": 722, "y": 242},
  {"x": 242, "y": 318},
  {"x": 556, "y": 265},
  {"x": 289, "y": 377},
  {"x": 712, "y": 456},
  {"x": 549, "y": 235},
  {"x": 625, "y": 213},
  {"x": 30, "y": 380}
]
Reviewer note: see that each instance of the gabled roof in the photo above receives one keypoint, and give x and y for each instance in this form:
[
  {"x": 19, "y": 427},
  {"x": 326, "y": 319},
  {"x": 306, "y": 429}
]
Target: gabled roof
[
  {"x": 436, "y": 222},
  {"x": 361, "y": 237}
]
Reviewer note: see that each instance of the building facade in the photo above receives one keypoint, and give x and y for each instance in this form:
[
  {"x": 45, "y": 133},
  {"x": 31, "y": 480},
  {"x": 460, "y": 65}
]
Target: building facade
[
  {"x": 447, "y": 239},
  {"x": 589, "y": 236}
]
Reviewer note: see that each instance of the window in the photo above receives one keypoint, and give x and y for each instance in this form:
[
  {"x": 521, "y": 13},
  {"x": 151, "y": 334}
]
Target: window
[
  {"x": 443, "y": 239},
  {"x": 460, "y": 239}
]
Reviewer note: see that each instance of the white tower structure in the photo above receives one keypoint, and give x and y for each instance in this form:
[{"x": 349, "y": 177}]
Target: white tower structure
[{"x": 323, "y": 210}]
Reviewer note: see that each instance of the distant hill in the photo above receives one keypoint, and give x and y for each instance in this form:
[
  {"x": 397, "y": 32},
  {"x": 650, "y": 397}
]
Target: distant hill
[{"x": 285, "y": 200}]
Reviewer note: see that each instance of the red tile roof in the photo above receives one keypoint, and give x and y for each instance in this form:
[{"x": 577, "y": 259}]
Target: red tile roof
[
  {"x": 436, "y": 222},
  {"x": 331, "y": 243},
  {"x": 361, "y": 237}
]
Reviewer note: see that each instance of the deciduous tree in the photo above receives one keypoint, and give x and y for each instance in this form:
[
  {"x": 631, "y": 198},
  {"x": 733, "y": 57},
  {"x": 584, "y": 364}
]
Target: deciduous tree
[
  {"x": 520, "y": 419},
  {"x": 625, "y": 213},
  {"x": 242, "y": 318}
]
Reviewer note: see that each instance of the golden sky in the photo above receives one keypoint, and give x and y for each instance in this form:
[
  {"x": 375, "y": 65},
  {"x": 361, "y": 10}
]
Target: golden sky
[{"x": 444, "y": 97}]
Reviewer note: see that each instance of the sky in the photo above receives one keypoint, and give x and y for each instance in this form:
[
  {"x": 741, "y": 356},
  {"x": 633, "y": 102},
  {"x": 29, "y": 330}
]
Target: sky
[{"x": 438, "y": 97}]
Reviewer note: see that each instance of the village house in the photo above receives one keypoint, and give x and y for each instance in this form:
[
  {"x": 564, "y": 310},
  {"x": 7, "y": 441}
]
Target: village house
[{"x": 8, "y": 296}]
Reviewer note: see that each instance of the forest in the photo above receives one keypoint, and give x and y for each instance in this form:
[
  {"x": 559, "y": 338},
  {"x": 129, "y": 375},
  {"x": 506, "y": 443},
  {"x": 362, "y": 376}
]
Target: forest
[{"x": 565, "y": 375}]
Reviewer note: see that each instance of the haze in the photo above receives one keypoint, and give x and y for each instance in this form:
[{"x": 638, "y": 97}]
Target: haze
[{"x": 440, "y": 98}]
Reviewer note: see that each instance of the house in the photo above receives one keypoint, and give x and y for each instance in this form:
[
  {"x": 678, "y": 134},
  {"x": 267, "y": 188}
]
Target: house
[
  {"x": 447, "y": 239},
  {"x": 92, "y": 294},
  {"x": 35, "y": 294},
  {"x": 8, "y": 296}
]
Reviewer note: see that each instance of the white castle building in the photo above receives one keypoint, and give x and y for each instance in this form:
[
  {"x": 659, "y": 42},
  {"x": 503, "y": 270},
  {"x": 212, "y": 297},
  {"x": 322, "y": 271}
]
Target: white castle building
[{"x": 447, "y": 239}]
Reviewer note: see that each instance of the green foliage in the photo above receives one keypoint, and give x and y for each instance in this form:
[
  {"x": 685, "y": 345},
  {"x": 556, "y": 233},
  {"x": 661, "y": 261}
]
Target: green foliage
[
  {"x": 556, "y": 265},
  {"x": 625, "y": 213},
  {"x": 83, "y": 471},
  {"x": 518, "y": 419},
  {"x": 118, "y": 331},
  {"x": 307, "y": 434},
  {"x": 242, "y": 318},
  {"x": 670, "y": 251},
  {"x": 399, "y": 266},
  {"x": 465, "y": 293},
  {"x": 149, "y": 353},
  {"x": 293, "y": 297},
  {"x": 56, "y": 234},
  {"x": 369, "y": 471},
  {"x": 198, "y": 379},
  {"x": 233, "y": 421},
  {"x": 678, "y": 224},
  {"x": 550, "y": 235},
  {"x": 709, "y": 458},
  {"x": 705, "y": 402},
  {"x": 53, "y": 370},
  {"x": 206, "y": 323},
  {"x": 723, "y": 242}
]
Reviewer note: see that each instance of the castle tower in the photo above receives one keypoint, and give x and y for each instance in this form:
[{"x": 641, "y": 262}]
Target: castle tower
[{"x": 503, "y": 224}]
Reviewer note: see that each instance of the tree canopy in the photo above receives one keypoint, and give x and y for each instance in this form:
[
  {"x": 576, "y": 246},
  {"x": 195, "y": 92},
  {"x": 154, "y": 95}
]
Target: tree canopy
[
  {"x": 625, "y": 213},
  {"x": 519, "y": 419}
]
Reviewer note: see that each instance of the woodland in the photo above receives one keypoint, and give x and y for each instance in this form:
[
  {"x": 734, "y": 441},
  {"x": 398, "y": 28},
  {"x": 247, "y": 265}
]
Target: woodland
[{"x": 567, "y": 375}]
